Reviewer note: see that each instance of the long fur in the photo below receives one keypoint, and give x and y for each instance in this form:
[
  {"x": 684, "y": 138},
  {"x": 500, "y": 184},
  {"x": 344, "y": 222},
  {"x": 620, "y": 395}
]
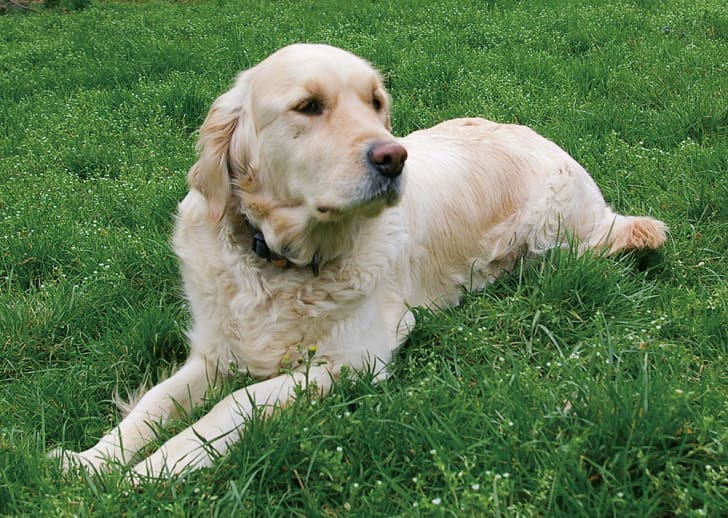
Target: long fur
[{"x": 287, "y": 150}]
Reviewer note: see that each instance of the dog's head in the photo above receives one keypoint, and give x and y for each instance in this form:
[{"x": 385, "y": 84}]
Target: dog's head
[{"x": 301, "y": 146}]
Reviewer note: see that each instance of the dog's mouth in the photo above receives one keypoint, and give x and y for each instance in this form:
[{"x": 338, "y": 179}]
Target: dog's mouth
[
  {"x": 370, "y": 198},
  {"x": 381, "y": 190}
]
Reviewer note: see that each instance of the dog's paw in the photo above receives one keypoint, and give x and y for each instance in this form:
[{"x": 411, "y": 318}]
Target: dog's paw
[{"x": 72, "y": 461}]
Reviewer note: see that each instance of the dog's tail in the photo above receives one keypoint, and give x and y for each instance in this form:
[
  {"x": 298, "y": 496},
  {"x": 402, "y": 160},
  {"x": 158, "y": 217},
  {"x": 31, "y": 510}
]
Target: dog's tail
[{"x": 625, "y": 233}]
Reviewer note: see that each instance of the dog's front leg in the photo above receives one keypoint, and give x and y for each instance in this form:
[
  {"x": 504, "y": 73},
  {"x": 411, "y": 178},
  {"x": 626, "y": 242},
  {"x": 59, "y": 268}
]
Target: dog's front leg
[
  {"x": 198, "y": 445},
  {"x": 181, "y": 392}
]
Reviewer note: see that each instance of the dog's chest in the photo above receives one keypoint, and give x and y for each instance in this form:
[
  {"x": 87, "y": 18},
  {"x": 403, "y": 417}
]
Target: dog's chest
[
  {"x": 269, "y": 326},
  {"x": 258, "y": 318}
]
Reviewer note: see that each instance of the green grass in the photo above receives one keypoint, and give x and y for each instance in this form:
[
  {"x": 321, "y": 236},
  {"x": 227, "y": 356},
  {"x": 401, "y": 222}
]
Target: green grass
[{"x": 571, "y": 387}]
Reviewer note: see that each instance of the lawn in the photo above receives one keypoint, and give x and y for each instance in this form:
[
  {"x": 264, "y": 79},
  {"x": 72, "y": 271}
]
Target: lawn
[{"x": 570, "y": 387}]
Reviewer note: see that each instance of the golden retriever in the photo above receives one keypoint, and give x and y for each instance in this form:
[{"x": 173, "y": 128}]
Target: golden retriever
[{"x": 309, "y": 230}]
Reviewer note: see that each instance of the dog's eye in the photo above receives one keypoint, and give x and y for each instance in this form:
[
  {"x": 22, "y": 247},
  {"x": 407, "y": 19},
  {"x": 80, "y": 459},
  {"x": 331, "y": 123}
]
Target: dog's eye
[
  {"x": 310, "y": 107},
  {"x": 377, "y": 103}
]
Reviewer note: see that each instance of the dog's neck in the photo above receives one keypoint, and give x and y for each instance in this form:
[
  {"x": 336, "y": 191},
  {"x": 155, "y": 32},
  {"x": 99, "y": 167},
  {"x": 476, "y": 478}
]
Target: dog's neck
[{"x": 261, "y": 249}]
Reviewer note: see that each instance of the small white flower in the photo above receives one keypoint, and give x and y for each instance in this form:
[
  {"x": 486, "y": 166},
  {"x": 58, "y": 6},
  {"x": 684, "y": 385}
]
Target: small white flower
[
  {"x": 436, "y": 501},
  {"x": 475, "y": 487}
]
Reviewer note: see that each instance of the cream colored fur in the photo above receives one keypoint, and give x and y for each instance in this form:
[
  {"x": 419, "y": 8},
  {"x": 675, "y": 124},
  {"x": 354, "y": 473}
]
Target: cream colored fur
[{"x": 475, "y": 196}]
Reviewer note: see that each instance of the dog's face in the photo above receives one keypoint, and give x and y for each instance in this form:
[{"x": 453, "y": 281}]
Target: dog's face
[{"x": 299, "y": 145}]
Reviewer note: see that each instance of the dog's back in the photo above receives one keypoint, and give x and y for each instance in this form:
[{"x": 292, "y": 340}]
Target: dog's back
[{"x": 481, "y": 194}]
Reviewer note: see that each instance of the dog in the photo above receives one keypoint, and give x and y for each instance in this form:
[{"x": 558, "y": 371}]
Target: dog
[{"x": 309, "y": 230}]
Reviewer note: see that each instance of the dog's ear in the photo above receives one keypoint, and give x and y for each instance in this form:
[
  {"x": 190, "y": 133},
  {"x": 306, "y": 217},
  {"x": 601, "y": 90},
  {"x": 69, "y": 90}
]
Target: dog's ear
[
  {"x": 225, "y": 146},
  {"x": 388, "y": 105},
  {"x": 386, "y": 102}
]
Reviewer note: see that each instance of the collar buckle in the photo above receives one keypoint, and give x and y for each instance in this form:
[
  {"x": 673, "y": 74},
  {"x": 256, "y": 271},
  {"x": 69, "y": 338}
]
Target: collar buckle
[{"x": 260, "y": 248}]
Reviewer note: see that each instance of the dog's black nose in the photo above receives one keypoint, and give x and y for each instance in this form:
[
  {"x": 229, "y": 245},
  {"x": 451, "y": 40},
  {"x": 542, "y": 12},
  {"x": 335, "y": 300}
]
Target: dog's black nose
[{"x": 387, "y": 158}]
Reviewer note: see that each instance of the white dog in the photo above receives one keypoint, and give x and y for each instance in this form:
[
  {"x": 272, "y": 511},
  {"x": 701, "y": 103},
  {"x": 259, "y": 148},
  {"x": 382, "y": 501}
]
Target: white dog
[{"x": 300, "y": 238}]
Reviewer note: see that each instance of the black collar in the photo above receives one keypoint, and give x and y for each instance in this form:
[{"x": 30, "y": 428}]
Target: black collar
[{"x": 260, "y": 248}]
